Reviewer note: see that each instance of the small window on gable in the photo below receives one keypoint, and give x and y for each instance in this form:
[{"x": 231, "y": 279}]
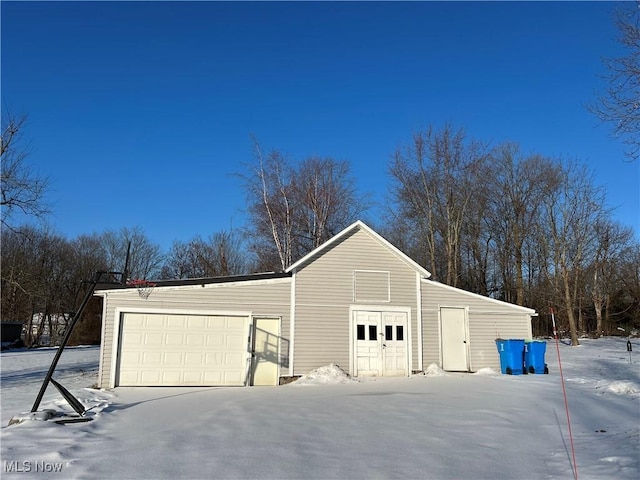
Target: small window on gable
[
  {"x": 399, "y": 333},
  {"x": 388, "y": 332},
  {"x": 371, "y": 286},
  {"x": 373, "y": 332},
  {"x": 361, "y": 333}
]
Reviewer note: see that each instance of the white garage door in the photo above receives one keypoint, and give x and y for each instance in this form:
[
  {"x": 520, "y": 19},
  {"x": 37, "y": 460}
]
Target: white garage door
[{"x": 184, "y": 350}]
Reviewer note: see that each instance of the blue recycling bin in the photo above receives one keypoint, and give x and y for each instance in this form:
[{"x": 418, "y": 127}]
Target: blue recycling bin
[
  {"x": 511, "y": 356},
  {"x": 534, "y": 357}
]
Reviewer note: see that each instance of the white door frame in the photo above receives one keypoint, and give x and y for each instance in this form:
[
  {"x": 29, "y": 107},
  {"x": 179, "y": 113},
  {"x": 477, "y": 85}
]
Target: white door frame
[
  {"x": 465, "y": 309},
  {"x": 353, "y": 309}
]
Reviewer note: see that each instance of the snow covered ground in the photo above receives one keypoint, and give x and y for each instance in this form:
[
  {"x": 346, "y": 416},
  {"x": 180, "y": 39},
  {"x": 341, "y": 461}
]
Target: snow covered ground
[{"x": 435, "y": 426}]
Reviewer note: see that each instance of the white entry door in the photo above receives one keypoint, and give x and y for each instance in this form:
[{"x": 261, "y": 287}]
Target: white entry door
[
  {"x": 368, "y": 345},
  {"x": 453, "y": 326},
  {"x": 394, "y": 346},
  {"x": 381, "y": 345},
  {"x": 264, "y": 365}
]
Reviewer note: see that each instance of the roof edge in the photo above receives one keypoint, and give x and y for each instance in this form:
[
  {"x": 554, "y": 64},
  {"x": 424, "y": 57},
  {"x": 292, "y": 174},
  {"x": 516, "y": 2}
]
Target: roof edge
[
  {"x": 530, "y": 311},
  {"x": 211, "y": 280},
  {"x": 359, "y": 224}
]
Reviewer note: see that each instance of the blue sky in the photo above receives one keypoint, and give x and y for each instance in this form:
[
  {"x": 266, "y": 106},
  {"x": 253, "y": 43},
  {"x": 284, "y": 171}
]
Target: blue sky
[{"x": 141, "y": 112}]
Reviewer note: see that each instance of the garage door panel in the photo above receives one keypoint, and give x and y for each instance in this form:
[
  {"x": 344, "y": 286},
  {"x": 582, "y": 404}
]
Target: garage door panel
[
  {"x": 172, "y": 358},
  {"x": 151, "y": 358},
  {"x": 216, "y": 322},
  {"x": 132, "y": 339},
  {"x": 130, "y": 357},
  {"x": 174, "y": 339},
  {"x": 233, "y": 357},
  {"x": 194, "y": 340},
  {"x": 195, "y": 321},
  {"x": 135, "y": 319},
  {"x": 232, "y": 377},
  {"x": 213, "y": 378},
  {"x": 193, "y": 376},
  {"x": 194, "y": 358},
  {"x": 214, "y": 340},
  {"x": 152, "y": 339},
  {"x": 129, "y": 378},
  {"x": 154, "y": 321},
  {"x": 149, "y": 378},
  {"x": 171, "y": 378},
  {"x": 173, "y": 349},
  {"x": 234, "y": 341},
  {"x": 175, "y": 321},
  {"x": 217, "y": 359}
]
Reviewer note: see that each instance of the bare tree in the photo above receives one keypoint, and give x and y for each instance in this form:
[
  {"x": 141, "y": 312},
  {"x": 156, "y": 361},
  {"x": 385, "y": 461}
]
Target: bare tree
[
  {"x": 612, "y": 239},
  {"x": 220, "y": 255},
  {"x": 180, "y": 263},
  {"x": 628, "y": 295},
  {"x": 521, "y": 185},
  {"x": 295, "y": 208},
  {"x": 269, "y": 186},
  {"x": 16, "y": 288},
  {"x": 145, "y": 261},
  {"x": 572, "y": 211},
  {"x": 22, "y": 190},
  {"x": 436, "y": 179},
  {"x": 37, "y": 282},
  {"x": 327, "y": 200},
  {"x": 619, "y": 105}
]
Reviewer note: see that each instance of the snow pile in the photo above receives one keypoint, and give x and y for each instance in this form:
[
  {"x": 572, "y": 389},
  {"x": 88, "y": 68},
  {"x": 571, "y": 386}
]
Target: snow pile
[
  {"x": 513, "y": 428},
  {"x": 40, "y": 416},
  {"x": 489, "y": 372},
  {"x": 434, "y": 370},
  {"x": 619, "y": 387},
  {"x": 329, "y": 374}
]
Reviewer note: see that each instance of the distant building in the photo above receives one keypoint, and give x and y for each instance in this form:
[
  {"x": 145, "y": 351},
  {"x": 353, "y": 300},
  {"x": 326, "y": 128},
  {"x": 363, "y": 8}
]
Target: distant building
[{"x": 11, "y": 332}]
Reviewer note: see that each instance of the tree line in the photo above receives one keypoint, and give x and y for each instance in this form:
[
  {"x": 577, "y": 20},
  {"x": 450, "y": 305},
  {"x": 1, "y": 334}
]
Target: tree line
[
  {"x": 523, "y": 228},
  {"x": 528, "y": 229}
]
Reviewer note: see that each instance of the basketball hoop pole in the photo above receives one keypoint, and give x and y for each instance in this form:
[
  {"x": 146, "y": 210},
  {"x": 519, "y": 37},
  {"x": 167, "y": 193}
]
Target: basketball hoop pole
[{"x": 76, "y": 406}]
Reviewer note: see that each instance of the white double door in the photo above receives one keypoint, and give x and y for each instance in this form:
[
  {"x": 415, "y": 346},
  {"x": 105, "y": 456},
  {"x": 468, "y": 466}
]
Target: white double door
[{"x": 381, "y": 344}]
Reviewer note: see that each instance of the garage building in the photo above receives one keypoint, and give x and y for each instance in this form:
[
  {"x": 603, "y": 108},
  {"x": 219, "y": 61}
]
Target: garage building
[{"x": 356, "y": 301}]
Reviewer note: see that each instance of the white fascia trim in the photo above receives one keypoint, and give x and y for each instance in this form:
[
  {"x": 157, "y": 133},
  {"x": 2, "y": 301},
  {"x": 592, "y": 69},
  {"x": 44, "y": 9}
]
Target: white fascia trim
[
  {"x": 103, "y": 329},
  {"x": 362, "y": 226},
  {"x": 200, "y": 286},
  {"x": 117, "y": 321},
  {"x": 530, "y": 311},
  {"x": 419, "y": 320},
  {"x": 378, "y": 308},
  {"x": 292, "y": 323}
]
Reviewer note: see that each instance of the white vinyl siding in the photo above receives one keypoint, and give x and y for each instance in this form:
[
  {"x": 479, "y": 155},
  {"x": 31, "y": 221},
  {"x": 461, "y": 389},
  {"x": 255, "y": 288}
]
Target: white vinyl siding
[
  {"x": 488, "y": 319},
  {"x": 371, "y": 286},
  {"x": 324, "y": 294},
  {"x": 260, "y": 298}
]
